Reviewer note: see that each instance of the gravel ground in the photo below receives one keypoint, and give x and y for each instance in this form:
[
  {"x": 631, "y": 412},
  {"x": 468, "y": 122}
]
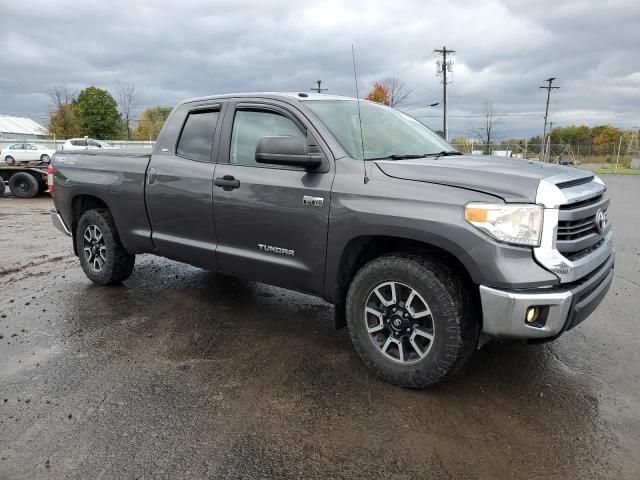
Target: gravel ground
[{"x": 182, "y": 373}]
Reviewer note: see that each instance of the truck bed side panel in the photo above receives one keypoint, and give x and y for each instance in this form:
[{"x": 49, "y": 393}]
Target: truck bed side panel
[{"x": 118, "y": 179}]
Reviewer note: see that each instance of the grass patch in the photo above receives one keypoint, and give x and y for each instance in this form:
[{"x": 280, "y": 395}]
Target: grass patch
[{"x": 620, "y": 170}]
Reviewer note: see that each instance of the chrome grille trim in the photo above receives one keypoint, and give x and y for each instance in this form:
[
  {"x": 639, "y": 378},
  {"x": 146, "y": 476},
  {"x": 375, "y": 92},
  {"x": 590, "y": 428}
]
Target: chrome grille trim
[{"x": 571, "y": 246}]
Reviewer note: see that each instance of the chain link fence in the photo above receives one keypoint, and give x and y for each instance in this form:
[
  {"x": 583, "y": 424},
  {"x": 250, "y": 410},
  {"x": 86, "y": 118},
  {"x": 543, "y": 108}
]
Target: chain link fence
[{"x": 577, "y": 154}]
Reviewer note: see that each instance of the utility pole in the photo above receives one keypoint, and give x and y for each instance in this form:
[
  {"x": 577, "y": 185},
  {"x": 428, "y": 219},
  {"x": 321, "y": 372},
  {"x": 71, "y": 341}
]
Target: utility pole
[
  {"x": 443, "y": 67},
  {"x": 548, "y": 87},
  {"x": 319, "y": 88},
  {"x": 547, "y": 154}
]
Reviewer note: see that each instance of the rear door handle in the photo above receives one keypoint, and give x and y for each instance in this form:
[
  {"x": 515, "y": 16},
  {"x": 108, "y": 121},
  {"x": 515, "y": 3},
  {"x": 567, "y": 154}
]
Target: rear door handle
[
  {"x": 151, "y": 176},
  {"x": 228, "y": 183}
]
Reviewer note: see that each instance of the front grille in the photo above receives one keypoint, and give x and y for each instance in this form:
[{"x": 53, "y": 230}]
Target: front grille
[
  {"x": 576, "y": 229},
  {"x": 577, "y": 233}
]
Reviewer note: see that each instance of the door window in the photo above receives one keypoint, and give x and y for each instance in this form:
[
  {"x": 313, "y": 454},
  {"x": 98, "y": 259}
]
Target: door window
[
  {"x": 196, "y": 139},
  {"x": 249, "y": 126}
]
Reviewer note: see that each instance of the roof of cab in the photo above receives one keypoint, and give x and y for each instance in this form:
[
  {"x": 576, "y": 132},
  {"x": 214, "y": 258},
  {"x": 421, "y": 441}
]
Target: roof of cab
[{"x": 272, "y": 95}]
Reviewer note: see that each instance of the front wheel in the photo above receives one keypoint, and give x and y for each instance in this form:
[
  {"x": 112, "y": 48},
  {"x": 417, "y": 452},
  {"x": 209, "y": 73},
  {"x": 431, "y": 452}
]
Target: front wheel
[
  {"x": 9, "y": 160},
  {"x": 102, "y": 257},
  {"x": 411, "y": 319}
]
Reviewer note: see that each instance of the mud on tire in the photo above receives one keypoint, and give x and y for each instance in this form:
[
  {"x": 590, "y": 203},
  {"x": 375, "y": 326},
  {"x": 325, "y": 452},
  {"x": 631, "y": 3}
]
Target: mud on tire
[
  {"x": 102, "y": 256},
  {"x": 452, "y": 319}
]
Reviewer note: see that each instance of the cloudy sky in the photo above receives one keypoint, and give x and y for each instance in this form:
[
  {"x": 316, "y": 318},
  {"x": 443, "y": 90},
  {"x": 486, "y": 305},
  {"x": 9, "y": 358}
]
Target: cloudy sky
[{"x": 172, "y": 50}]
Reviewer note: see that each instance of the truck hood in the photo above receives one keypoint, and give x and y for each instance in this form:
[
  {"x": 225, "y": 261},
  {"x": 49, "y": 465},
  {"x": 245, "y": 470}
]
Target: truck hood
[{"x": 512, "y": 179}]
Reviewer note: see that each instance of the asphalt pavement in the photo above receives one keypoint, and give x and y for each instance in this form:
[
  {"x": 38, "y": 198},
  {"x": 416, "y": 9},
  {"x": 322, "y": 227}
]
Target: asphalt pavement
[{"x": 182, "y": 373}]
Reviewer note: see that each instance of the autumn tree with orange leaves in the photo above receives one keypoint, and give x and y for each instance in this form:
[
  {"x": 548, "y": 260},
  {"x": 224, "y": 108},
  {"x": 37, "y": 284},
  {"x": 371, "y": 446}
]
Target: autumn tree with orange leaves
[{"x": 379, "y": 94}]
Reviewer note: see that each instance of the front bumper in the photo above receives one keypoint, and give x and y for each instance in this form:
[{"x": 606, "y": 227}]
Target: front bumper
[
  {"x": 57, "y": 221},
  {"x": 562, "y": 308}
]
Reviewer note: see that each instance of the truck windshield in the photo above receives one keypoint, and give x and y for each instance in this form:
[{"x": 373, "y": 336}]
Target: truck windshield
[{"x": 386, "y": 132}]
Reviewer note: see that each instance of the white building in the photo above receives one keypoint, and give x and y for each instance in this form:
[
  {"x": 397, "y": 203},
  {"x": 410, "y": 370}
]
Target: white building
[{"x": 20, "y": 128}]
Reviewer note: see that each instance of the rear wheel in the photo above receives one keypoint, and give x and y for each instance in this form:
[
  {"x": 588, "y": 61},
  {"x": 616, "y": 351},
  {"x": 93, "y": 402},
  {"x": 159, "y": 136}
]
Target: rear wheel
[
  {"x": 1, "y": 186},
  {"x": 102, "y": 256},
  {"x": 9, "y": 159},
  {"x": 45, "y": 158},
  {"x": 23, "y": 185},
  {"x": 411, "y": 319}
]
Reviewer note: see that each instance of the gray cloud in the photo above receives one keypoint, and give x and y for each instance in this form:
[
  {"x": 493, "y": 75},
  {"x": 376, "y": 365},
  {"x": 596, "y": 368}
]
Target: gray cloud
[{"x": 170, "y": 51}]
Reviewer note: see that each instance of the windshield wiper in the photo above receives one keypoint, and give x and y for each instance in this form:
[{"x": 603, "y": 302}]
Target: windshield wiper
[
  {"x": 444, "y": 153},
  {"x": 396, "y": 157}
]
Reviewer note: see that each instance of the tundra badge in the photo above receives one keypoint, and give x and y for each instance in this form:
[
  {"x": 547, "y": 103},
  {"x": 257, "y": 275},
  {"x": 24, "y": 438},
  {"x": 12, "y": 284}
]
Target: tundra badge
[{"x": 281, "y": 251}]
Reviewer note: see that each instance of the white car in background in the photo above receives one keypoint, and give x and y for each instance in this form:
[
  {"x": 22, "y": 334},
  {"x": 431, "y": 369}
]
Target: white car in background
[
  {"x": 26, "y": 152},
  {"x": 85, "y": 144}
]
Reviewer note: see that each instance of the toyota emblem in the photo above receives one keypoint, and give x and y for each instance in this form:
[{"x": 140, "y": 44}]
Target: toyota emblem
[{"x": 601, "y": 221}]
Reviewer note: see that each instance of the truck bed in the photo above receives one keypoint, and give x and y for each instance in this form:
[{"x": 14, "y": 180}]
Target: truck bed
[{"x": 114, "y": 177}]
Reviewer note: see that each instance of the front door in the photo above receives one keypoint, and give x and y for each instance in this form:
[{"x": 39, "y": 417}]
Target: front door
[
  {"x": 271, "y": 221},
  {"x": 179, "y": 189}
]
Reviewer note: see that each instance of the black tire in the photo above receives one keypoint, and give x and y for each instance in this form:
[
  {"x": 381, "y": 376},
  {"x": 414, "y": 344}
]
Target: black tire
[
  {"x": 453, "y": 319},
  {"x": 116, "y": 264},
  {"x": 2, "y": 187},
  {"x": 23, "y": 185},
  {"x": 9, "y": 159},
  {"x": 45, "y": 158}
]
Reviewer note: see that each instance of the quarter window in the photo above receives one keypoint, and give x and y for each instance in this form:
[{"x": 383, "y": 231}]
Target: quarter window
[
  {"x": 249, "y": 126},
  {"x": 197, "y": 135}
]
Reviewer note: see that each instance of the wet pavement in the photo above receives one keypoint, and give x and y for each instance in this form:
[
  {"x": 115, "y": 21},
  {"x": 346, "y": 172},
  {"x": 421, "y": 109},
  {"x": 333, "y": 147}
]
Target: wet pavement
[{"x": 182, "y": 373}]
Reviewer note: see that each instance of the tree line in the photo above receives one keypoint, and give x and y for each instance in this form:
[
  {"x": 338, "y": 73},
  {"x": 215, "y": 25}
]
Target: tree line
[{"x": 95, "y": 112}]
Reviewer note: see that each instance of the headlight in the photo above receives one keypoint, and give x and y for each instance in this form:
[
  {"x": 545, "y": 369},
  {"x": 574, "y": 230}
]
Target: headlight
[{"x": 518, "y": 224}]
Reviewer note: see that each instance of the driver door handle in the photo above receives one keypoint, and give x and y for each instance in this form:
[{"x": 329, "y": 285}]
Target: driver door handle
[{"x": 228, "y": 183}]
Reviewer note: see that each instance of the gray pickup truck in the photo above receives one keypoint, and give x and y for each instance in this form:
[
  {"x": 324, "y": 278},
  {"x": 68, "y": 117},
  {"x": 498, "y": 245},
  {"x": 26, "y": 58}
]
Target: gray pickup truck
[{"x": 426, "y": 253}]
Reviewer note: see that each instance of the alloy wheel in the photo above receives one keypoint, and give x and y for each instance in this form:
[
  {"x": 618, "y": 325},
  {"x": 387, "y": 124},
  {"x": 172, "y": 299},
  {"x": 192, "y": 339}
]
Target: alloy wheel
[
  {"x": 399, "y": 322},
  {"x": 95, "y": 251}
]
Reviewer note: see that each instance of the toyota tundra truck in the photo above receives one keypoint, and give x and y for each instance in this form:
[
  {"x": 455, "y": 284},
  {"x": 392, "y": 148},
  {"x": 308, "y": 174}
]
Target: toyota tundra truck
[{"x": 426, "y": 253}]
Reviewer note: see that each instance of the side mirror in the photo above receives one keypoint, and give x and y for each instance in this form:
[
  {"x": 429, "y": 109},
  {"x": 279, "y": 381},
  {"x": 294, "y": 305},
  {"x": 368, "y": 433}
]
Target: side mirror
[{"x": 286, "y": 150}]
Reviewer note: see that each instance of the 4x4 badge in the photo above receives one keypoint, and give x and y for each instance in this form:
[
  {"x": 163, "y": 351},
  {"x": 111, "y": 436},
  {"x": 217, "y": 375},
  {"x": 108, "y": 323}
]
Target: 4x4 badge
[{"x": 310, "y": 201}]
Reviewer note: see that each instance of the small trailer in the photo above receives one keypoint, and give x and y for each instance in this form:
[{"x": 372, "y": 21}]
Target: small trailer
[{"x": 25, "y": 181}]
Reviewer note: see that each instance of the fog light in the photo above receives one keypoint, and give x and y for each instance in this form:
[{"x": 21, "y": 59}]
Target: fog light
[{"x": 532, "y": 314}]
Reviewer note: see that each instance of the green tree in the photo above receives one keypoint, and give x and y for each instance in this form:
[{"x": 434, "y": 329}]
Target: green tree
[
  {"x": 151, "y": 121},
  {"x": 63, "y": 122},
  {"x": 605, "y": 139},
  {"x": 97, "y": 113}
]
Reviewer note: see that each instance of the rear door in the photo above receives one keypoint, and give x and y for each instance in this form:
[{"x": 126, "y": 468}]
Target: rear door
[
  {"x": 179, "y": 188},
  {"x": 272, "y": 224},
  {"x": 18, "y": 152}
]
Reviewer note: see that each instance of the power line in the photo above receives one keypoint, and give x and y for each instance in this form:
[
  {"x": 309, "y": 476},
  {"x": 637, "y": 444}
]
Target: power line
[
  {"x": 442, "y": 69},
  {"x": 422, "y": 104},
  {"x": 482, "y": 116}
]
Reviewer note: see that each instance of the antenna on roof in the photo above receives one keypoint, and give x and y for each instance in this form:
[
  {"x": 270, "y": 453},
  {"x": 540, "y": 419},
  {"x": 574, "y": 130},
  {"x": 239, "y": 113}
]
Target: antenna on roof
[{"x": 355, "y": 78}]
